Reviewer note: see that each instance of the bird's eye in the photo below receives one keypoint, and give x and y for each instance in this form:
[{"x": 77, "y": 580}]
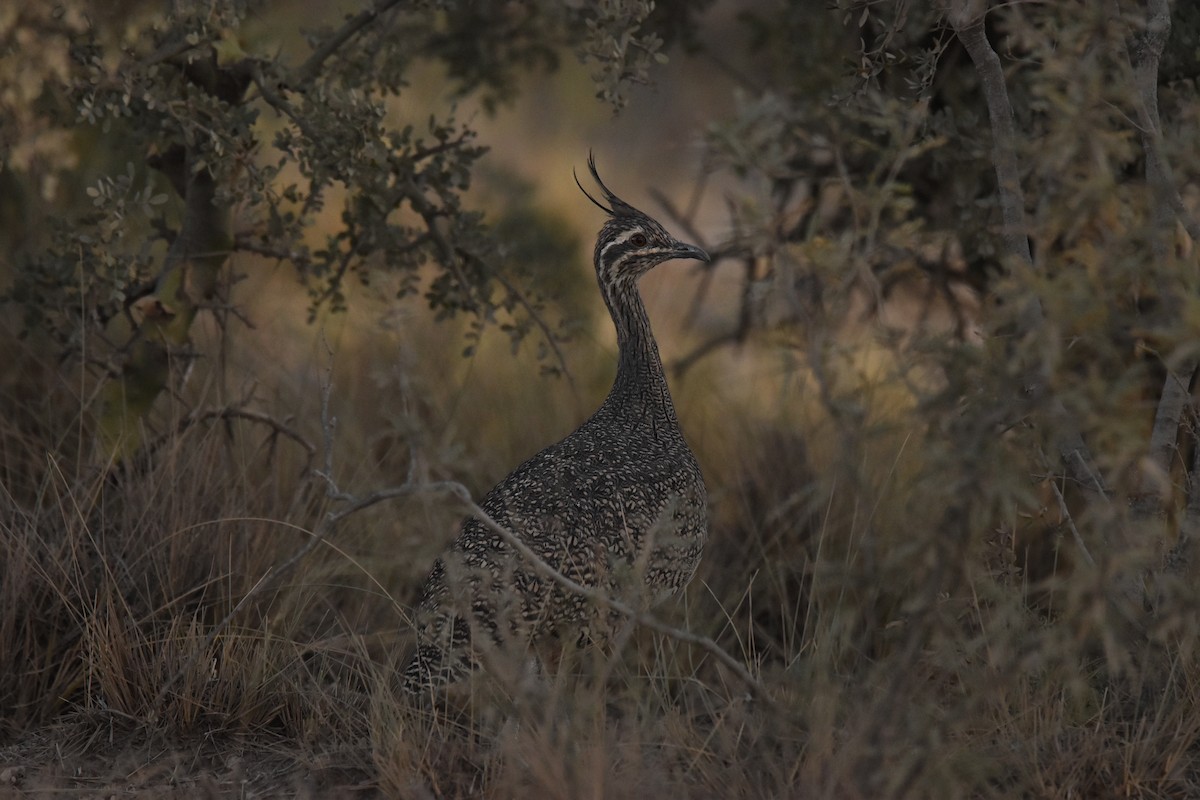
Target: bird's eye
[{"x": 639, "y": 240}]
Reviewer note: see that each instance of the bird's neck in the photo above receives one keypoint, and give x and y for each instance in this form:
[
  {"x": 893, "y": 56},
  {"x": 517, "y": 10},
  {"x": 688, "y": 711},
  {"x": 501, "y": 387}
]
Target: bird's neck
[{"x": 640, "y": 383}]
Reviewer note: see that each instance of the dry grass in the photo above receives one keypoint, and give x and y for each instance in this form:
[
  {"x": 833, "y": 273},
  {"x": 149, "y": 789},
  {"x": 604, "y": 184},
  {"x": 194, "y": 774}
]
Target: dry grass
[{"x": 899, "y": 654}]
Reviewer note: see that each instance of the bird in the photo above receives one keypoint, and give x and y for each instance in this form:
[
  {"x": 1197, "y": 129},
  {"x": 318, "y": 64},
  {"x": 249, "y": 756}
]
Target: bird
[{"x": 618, "y": 506}]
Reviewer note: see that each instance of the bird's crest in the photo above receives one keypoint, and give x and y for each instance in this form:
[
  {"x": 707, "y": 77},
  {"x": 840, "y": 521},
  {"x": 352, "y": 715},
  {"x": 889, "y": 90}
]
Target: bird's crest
[{"x": 616, "y": 206}]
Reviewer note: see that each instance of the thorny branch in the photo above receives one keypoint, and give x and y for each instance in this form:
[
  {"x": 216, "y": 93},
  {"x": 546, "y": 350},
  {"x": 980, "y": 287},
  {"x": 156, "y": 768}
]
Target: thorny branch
[{"x": 278, "y": 427}]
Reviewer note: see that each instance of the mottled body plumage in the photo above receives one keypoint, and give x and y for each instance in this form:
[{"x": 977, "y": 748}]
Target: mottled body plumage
[{"x": 619, "y": 504}]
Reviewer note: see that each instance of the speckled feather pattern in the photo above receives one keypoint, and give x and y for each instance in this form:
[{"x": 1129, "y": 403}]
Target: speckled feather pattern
[{"x": 619, "y": 504}]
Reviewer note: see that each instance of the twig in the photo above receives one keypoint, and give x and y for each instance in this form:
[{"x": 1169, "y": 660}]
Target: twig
[
  {"x": 685, "y": 222},
  {"x": 738, "y": 76},
  {"x": 596, "y": 596},
  {"x": 716, "y": 254},
  {"x": 280, "y": 428},
  {"x": 520, "y": 297},
  {"x": 1066, "y": 514},
  {"x": 281, "y": 104},
  {"x": 244, "y": 242},
  {"x": 971, "y": 33},
  {"x": 448, "y": 256},
  {"x": 312, "y": 65},
  {"x": 422, "y": 153}
]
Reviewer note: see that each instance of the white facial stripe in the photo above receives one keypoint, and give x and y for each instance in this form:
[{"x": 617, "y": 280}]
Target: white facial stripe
[{"x": 624, "y": 237}]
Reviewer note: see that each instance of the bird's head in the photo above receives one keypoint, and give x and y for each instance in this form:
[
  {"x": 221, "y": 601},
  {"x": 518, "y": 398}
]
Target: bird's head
[{"x": 631, "y": 241}]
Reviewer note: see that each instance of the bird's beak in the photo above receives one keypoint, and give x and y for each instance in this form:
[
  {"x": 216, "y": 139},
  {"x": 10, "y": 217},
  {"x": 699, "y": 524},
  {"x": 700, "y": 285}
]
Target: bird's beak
[{"x": 683, "y": 250}]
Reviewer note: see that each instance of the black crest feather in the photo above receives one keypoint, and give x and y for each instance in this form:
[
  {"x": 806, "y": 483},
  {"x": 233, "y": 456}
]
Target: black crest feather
[{"x": 616, "y": 206}]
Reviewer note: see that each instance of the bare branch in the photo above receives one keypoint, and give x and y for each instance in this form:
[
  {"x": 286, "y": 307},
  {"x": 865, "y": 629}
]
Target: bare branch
[
  {"x": 967, "y": 20},
  {"x": 600, "y": 598},
  {"x": 1066, "y": 515},
  {"x": 683, "y": 220},
  {"x": 328, "y": 426},
  {"x": 275, "y": 573},
  {"x": 969, "y": 28},
  {"x": 280, "y": 428}
]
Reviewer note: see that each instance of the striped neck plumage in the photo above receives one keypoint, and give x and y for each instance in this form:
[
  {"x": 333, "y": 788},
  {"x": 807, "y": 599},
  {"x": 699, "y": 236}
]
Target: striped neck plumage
[{"x": 640, "y": 377}]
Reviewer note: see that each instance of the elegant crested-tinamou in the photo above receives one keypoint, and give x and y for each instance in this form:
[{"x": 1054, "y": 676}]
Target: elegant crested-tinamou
[{"x": 619, "y": 505}]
